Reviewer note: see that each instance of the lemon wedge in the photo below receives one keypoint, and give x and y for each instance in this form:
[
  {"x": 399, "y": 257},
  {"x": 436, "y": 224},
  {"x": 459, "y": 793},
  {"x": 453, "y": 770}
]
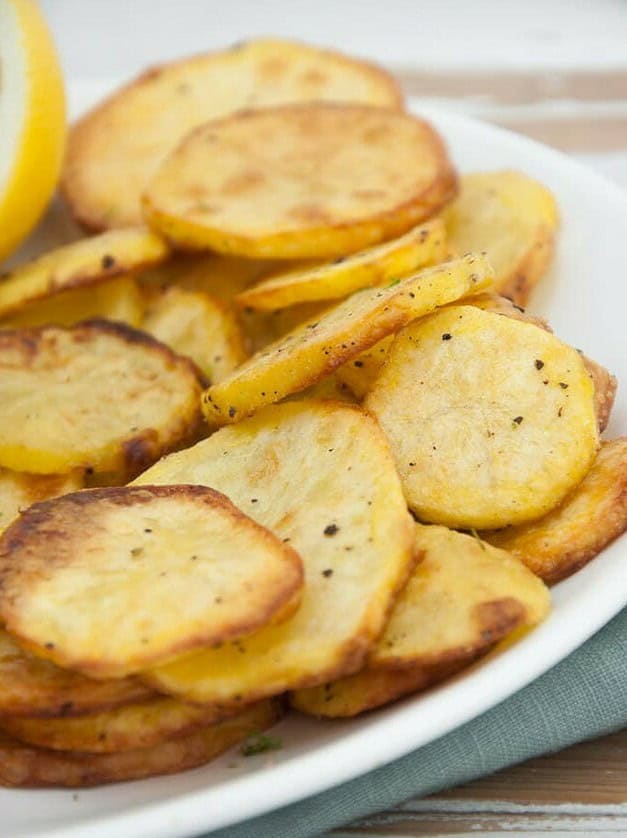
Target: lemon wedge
[{"x": 32, "y": 120}]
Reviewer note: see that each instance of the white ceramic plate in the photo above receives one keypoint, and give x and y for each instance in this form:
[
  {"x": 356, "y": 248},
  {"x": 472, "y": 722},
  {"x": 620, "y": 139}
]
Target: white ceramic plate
[{"x": 585, "y": 299}]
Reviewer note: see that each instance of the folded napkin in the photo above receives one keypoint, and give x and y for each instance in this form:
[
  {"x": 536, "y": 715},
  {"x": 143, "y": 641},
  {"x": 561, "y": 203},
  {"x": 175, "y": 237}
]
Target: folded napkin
[{"x": 582, "y": 697}]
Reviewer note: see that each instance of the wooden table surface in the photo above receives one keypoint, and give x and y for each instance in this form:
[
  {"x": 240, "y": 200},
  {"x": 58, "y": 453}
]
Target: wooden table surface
[{"x": 582, "y": 789}]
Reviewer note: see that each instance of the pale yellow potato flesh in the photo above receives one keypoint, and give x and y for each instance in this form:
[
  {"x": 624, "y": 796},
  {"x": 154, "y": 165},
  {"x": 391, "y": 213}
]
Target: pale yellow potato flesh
[
  {"x": 119, "y": 300},
  {"x": 422, "y": 246},
  {"x": 140, "y": 576},
  {"x": 137, "y": 725},
  {"x": 79, "y": 264},
  {"x": 316, "y": 348},
  {"x": 18, "y": 491},
  {"x": 491, "y": 420},
  {"x": 319, "y": 475},
  {"x": 195, "y": 325},
  {"x": 511, "y": 217},
  {"x": 26, "y": 766},
  {"x": 35, "y": 687},
  {"x": 323, "y": 174},
  {"x": 462, "y": 598},
  {"x": 99, "y": 396},
  {"x": 116, "y": 148},
  {"x": 587, "y": 520}
]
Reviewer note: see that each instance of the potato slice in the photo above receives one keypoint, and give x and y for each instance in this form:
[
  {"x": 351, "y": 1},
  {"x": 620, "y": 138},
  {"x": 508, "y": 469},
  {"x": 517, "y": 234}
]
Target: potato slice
[
  {"x": 19, "y": 491},
  {"x": 80, "y": 264},
  {"x": 422, "y": 246},
  {"x": 318, "y": 347},
  {"x": 99, "y": 396},
  {"x": 114, "y": 150},
  {"x": 605, "y": 386},
  {"x": 35, "y": 687},
  {"x": 491, "y": 420},
  {"x": 118, "y": 299},
  {"x": 592, "y": 516},
  {"x": 511, "y": 217},
  {"x": 361, "y": 372},
  {"x": 461, "y": 599},
  {"x": 197, "y": 326},
  {"x": 323, "y": 174},
  {"x": 28, "y": 766},
  {"x": 140, "y": 576},
  {"x": 125, "y": 728},
  {"x": 320, "y": 475}
]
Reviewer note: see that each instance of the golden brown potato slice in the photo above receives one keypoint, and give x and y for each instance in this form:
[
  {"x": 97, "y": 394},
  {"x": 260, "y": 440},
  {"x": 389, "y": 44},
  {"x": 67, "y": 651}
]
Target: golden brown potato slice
[
  {"x": 318, "y": 347},
  {"x": 491, "y": 420},
  {"x": 140, "y": 576},
  {"x": 18, "y": 491},
  {"x": 195, "y": 325},
  {"x": 605, "y": 386},
  {"x": 323, "y": 174},
  {"x": 511, "y": 217},
  {"x": 32, "y": 686},
  {"x": 98, "y": 396},
  {"x": 137, "y": 725},
  {"x": 320, "y": 475},
  {"x": 115, "y": 149},
  {"x": 79, "y": 264},
  {"x": 423, "y": 245},
  {"x": 461, "y": 599},
  {"x": 592, "y": 516},
  {"x": 28, "y": 766},
  {"x": 118, "y": 299}
]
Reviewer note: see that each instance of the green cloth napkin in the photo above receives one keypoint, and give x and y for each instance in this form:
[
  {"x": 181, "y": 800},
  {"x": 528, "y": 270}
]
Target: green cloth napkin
[{"x": 582, "y": 697}]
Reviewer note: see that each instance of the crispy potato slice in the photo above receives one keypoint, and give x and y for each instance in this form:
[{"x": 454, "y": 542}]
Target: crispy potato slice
[
  {"x": 79, "y": 264},
  {"x": 318, "y": 347},
  {"x": 37, "y": 688},
  {"x": 126, "y": 728},
  {"x": 18, "y": 491},
  {"x": 592, "y": 516},
  {"x": 422, "y": 246},
  {"x": 323, "y": 174},
  {"x": 140, "y": 576},
  {"x": 114, "y": 150},
  {"x": 195, "y": 325},
  {"x": 514, "y": 219},
  {"x": 28, "y": 766},
  {"x": 462, "y": 598},
  {"x": 118, "y": 299},
  {"x": 491, "y": 420},
  {"x": 320, "y": 475},
  {"x": 99, "y": 396}
]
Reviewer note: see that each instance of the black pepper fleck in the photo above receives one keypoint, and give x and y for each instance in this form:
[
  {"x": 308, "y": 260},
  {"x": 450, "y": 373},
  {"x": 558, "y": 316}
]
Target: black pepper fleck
[
  {"x": 538, "y": 364},
  {"x": 328, "y": 572},
  {"x": 446, "y": 336},
  {"x": 331, "y": 529}
]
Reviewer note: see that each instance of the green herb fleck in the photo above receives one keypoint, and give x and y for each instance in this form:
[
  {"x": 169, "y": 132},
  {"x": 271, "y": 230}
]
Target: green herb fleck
[
  {"x": 260, "y": 744},
  {"x": 475, "y": 534}
]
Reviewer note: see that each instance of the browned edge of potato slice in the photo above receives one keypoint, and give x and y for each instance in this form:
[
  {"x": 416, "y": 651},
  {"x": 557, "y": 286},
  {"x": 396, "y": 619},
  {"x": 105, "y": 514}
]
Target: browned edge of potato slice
[
  {"x": 590, "y": 518},
  {"x": 140, "y": 576},
  {"x": 341, "y": 190},
  {"x": 18, "y": 491},
  {"x": 112, "y": 398},
  {"x": 26, "y": 766}
]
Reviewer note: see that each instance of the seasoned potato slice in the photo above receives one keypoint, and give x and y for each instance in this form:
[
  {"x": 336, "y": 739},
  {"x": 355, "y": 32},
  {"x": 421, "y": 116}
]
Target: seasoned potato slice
[
  {"x": 80, "y": 264},
  {"x": 511, "y": 217},
  {"x": 423, "y": 245},
  {"x": 320, "y": 475},
  {"x": 491, "y": 420},
  {"x": 18, "y": 491},
  {"x": 138, "y": 725},
  {"x": 118, "y": 299},
  {"x": 322, "y": 173},
  {"x": 35, "y": 687},
  {"x": 28, "y": 766},
  {"x": 361, "y": 372},
  {"x": 193, "y": 324},
  {"x": 461, "y": 599},
  {"x": 318, "y": 347},
  {"x": 115, "y": 149},
  {"x": 98, "y": 396},
  {"x": 592, "y": 516},
  {"x": 140, "y": 576}
]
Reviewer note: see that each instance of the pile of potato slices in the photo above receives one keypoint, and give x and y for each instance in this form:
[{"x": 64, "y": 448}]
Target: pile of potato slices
[{"x": 278, "y": 434}]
